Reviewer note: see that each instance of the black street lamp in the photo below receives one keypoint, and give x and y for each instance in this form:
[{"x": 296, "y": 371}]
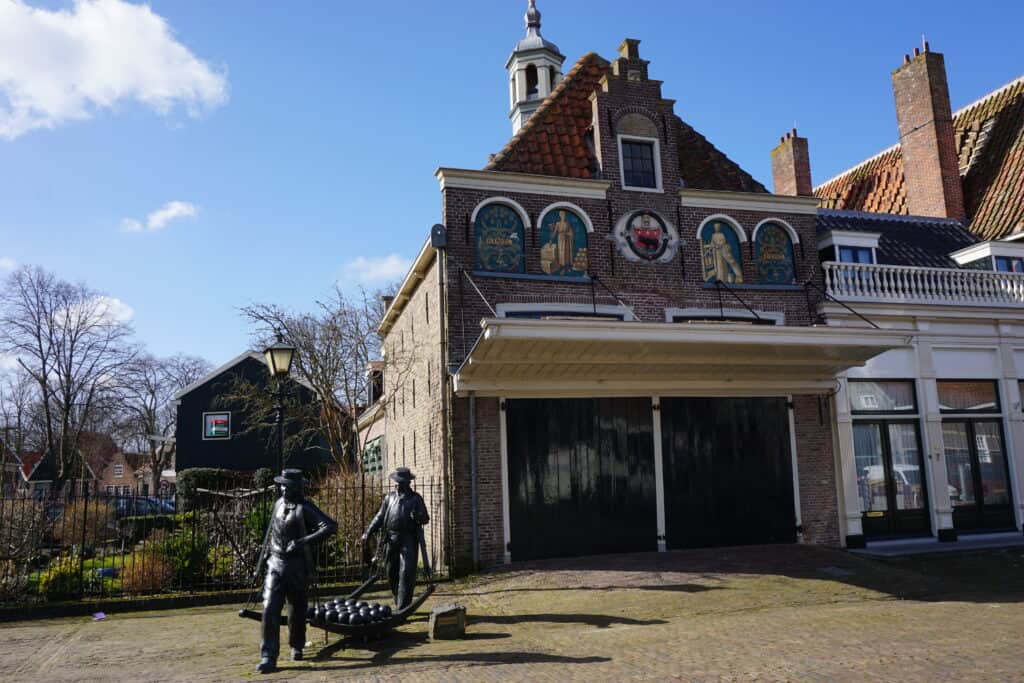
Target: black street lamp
[{"x": 279, "y": 363}]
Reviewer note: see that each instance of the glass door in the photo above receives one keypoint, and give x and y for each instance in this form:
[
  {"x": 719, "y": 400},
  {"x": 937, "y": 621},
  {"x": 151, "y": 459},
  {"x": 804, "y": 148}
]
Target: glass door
[
  {"x": 979, "y": 478},
  {"x": 890, "y": 478}
]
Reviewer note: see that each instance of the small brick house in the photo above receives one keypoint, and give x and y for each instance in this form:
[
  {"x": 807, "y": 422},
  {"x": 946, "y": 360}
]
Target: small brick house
[{"x": 609, "y": 343}]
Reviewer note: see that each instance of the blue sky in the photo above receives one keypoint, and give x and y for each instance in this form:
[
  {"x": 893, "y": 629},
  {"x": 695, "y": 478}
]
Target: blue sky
[{"x": 193, "y": 157}]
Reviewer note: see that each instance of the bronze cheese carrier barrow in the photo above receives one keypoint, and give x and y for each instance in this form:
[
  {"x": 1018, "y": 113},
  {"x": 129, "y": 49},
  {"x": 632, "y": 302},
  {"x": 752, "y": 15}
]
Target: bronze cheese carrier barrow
[{"x": 366, "y": 630}]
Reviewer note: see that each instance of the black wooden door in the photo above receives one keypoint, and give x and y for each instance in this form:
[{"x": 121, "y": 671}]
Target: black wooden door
[
  {"x": 728, "y": 472},
  {"x": 581, "y": 476}
]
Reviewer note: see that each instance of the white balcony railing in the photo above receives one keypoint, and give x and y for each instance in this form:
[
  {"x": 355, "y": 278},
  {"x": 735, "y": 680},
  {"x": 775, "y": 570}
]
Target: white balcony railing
[{"x": 911, "y": 284}]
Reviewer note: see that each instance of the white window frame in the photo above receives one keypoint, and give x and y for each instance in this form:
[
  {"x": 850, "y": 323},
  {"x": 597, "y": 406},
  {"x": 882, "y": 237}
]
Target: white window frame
[
  {"x": 118, "y": 470},
  {"x": 852, "y": 239},
  {"x": 714, "y": 312},
  {"x": 216, "y": 438},
  {"x": 657, "y": 163},
  {"x": 602, "y": 309}
]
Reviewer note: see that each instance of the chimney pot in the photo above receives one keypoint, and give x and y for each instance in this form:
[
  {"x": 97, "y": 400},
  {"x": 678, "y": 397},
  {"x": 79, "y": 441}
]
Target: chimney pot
[
  {"x": 917, "y": 52},
  {"x": 906, "y": 59},
  {"x": 926, "y": 47}
]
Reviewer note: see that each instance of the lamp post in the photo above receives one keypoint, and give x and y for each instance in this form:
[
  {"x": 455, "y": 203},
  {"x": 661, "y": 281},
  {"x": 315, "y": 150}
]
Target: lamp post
[{"x": 279, "y": 362}]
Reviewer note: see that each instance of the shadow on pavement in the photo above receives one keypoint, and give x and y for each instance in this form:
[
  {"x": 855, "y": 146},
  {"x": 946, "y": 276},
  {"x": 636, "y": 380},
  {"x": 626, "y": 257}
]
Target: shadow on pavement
[
  {"x": 598, "y": 620},
  {"x": 976, "y": 576},
  {"x": 666, "y": 587},
  {"x": 386, "y": 658}
]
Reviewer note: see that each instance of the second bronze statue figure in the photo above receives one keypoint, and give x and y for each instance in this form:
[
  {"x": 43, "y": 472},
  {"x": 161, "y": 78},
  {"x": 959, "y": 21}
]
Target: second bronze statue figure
[{"x": 401, "y": 516}]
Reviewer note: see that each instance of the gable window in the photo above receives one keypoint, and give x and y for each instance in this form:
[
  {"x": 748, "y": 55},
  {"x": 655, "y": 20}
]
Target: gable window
[
  {"x": 640, "y": 163},
  {"x": 774, "y": 252},
  {"x": 119, "y": 470},
  {"x": 856, "y": 255},
  {"x": 498, "y": 231}
]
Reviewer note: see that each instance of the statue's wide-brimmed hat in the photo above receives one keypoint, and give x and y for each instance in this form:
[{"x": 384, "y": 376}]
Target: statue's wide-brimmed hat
[
  {"x": 402, "y": 475},
  {"x": 293, "y": 477}
]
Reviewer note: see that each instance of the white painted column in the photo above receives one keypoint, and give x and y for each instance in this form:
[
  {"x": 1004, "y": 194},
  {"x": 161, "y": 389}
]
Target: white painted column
[
  {"x": 520, "y": 85},
  {"x": 1010, "y": 397},
  {"x": 543, "y": 81},
  {"x": 934, "y": 445},
  {"x": 659, "y": 473},
  {"x": 796, "y": 473},
  {"x": 506, "y": 520},
  {"x": 846, "y": 465}
]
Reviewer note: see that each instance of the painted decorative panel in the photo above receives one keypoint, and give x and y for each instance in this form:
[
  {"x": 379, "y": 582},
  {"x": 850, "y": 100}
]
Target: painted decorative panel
[
  {"x": 646, "y": 236},
  {"x": 774, "y": 253},
  {"x": 563, "y": 244},
  {"x": 720, "y": 253},
  {"x": 499, "y": 239}
]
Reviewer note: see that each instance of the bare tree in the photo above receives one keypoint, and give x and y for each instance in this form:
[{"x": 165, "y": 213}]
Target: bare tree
[
  {"x": 72, "y": 343},
  {"x": 334, "y": 346},
  {"x": 148, "y": 386}
]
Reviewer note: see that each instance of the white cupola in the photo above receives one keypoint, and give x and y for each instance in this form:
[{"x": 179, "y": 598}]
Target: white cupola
[{"x": 534, "y": 69}]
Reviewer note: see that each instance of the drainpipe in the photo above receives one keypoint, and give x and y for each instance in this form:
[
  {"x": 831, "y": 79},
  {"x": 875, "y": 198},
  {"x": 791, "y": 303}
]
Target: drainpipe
[{"x": 472, "y": 476}]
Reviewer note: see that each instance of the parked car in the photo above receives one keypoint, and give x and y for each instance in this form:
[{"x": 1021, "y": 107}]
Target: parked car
[{"x": 143, "y": 505}]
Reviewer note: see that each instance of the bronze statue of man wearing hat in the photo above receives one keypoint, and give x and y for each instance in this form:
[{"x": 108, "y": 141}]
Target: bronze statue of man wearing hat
[
  {"x": 401, "y": 515},
  {"x": 295, "y": 526}
]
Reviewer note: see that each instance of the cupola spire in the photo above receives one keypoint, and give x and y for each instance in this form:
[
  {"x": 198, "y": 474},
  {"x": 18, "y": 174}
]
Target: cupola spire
[
  {"x": 532, "y": 20},
  {"x": 534, "y": 69}
]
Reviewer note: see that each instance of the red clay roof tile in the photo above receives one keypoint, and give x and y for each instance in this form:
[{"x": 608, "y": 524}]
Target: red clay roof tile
[{"x": 990, "y": 144}]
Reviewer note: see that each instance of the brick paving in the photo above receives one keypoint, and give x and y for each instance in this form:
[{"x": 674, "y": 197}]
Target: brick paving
[{"x": 766, "y": 614}]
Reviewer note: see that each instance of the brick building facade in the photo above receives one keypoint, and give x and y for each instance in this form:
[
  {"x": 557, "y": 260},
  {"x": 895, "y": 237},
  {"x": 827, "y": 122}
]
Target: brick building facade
[{"x": 609, "y": 319}]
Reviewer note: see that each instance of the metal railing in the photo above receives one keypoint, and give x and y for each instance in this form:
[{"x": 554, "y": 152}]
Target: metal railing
[
  {"x": 912, "y": 284},
  {"x": 93, "y": 546}
]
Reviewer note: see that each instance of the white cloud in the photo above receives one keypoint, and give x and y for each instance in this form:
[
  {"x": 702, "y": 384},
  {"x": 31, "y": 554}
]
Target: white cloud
[
  {"x": 8, "y": 362},
  {"x": 7, "y": 263},
  {"x": 158, "y": 220},
  {"x": 367, "y": 270},
  {"x": 113, "y": 308},
  {"x": 63, "y": 65}
]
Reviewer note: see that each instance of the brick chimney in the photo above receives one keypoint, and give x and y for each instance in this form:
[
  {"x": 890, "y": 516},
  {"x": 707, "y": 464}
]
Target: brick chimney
[
  {"x": 791, "y": 166},
  {"x": 930, "y": 165}
]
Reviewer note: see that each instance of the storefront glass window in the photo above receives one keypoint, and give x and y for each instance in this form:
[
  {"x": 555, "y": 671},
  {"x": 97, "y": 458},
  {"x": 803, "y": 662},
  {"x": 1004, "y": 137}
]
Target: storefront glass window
[
  {"x": 882, "y": 397},
  {"x": 906, "y": 470},
  {"x": 995, "y": 489},
  {"x": 958, "y": 463},
  {"x": 957, "y": 396},
  {"x": 867, "y": 449}
]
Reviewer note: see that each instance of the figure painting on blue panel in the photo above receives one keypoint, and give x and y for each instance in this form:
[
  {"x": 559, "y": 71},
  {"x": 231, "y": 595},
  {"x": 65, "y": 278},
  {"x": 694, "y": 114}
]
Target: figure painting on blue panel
[
  {"x": 774, "y": 255},
  {"x": 720, "y": 253},
  {"x": 499, "y": 239},
  {"x": 563, "y": 240}
]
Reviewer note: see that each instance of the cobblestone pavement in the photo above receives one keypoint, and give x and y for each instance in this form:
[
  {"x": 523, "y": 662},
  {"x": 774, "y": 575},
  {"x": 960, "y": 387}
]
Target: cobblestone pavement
[{"x": 781, "y": 613}]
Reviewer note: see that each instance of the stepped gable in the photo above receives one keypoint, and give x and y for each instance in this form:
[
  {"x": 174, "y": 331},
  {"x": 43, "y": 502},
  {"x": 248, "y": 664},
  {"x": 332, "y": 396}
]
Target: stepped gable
[
  {"x": 990, "y": 148},
  {"x": 554, "y": 140},
  {"x": 905, "y": 240}
]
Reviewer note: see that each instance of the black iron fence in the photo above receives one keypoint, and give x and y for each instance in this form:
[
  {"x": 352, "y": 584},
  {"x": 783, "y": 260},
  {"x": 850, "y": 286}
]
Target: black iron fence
[{"x": 94, "y": 546}]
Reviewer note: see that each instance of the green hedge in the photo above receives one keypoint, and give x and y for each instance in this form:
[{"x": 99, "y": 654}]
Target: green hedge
[
  {"x": 139, "y": 527},
  {"x": 212, "y": 478}
]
